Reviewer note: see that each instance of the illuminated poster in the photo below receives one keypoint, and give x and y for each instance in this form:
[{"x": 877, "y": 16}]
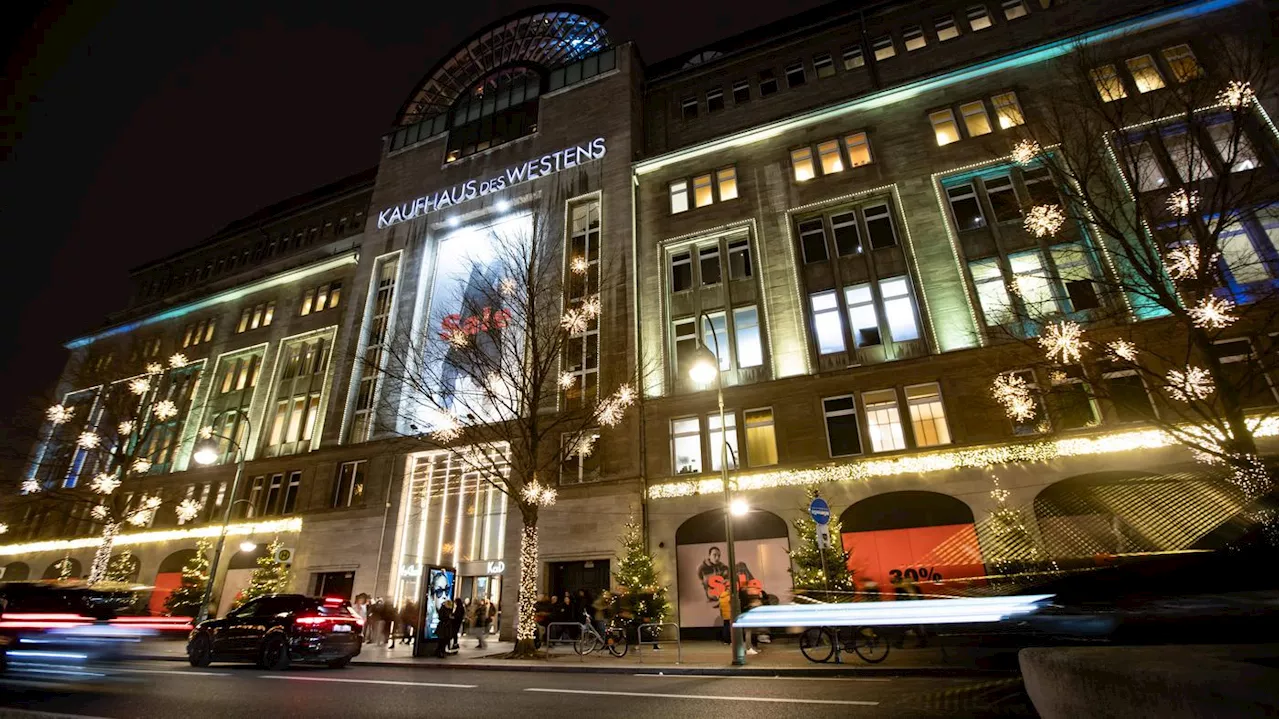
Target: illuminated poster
[
  {"x": 919, "y": 556},
  {"x": 703, "y": 574},
  {"x": 439, "y": 590}
]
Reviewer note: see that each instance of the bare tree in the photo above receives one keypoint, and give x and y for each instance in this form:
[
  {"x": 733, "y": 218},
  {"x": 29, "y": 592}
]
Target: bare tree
[
  {"x": 1153, "y": 202},
  {"x": 495, "y": 374}
]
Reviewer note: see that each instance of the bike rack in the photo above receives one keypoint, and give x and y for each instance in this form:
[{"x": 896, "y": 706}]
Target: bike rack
[
  {"x": 657, "y": 639},
  {"x": 549, "y": 642}
]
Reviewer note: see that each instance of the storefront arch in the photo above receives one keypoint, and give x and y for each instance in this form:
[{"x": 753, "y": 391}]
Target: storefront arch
[
  {"x": 55, "y": 569},
  {"x": 134, "y": 565},
  {"x": 168, "y": 578},
  {"x": 702, "y": 572},
  {"x": 16, "y": 572}
]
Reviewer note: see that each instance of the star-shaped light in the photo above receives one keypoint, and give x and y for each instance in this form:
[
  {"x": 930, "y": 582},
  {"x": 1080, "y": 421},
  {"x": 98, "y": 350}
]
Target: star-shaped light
[
  {"x": 1183, "y": 261},
  {"x": 1236, "y": 94},
  {"x": 447, "y": 428},
  {"x": 4, "y": 528},
  {"x": 1063, "y": 342},
  {"x": 178, "y": 361},
  {"x": 591, "y": 307},
  {"x": 155, "y": 368},
  {"x": 583, "y": 445},
  {"x": 575, "y": 321},
  {"x": 141, "y": 465},
  {"x": 206, "y": 432},
  {"x": 535, "y": 493},
  {"x": 1014, "y": 394},
  {"x": 125, "y": 428},
  {"x": 1191, "y": 384},
  {"x": 1043, "y": 220},
  {"x": 104, "y": 483},
  {"x": 58, "y": 414},
  {"x": 579, "y": 265},
  {"x": 567, "y": 380},
  {"x": 140, "y": 386},
  {"x": 30, "y": 486},
  {"x": 99, "y": 512},
  {"x": 1212, "y": 313},
  {"x": 140, "y": 518},
  {"x": 507, "y": 286},
  {"x": 610, "y": 410},
  {"x": 1123, "y": 350},
  {"x": 1181, "y": 202},
  {"x": 151, "y": 502},
  {"x": 187, "y": 510},
  {"x": 165, "y": 409},
  {"x": 1025, "y": 151},
  {"x": 459, "y": 339},
  {"x": 88, "y": 440}
]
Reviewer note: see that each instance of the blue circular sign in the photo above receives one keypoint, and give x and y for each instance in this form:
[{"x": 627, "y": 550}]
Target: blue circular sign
[{"x": 819, "y": 510}]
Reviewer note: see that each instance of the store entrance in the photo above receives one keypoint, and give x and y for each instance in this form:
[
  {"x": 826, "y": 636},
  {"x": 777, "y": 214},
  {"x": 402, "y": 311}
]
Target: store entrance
[
  {"x": 489, "y": 587},
  {"x": 333, "y": 584},
  {"x": 591, "y": 575}
]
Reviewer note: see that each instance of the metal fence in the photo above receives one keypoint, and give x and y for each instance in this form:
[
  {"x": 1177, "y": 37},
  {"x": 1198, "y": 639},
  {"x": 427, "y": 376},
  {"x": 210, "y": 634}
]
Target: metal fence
[{"x": 655, "y": 637}]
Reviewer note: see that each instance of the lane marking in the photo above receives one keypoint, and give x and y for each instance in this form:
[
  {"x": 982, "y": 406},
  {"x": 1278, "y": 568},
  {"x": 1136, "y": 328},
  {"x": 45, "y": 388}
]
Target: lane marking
[
  {"x": 51, "y": 715},
  {"x": 370, "y": 681},
  {"x": 178, "y": 672},
  {"x": 776, "y": 679},
  {"x": 782, "y": 700}
]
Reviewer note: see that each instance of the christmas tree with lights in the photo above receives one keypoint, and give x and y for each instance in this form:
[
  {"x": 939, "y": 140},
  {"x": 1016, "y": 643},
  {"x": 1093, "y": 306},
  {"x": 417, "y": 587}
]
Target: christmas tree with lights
[
  {"x": 184, "y": 601},
  {"x": 643, "y": 593},
  {"x": 271, "y": 576},
  {"x": 122, "y": 568},
  {"x": 806, "y": 561}
]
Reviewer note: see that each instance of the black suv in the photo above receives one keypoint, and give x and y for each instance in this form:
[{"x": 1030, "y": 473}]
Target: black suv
[{"x": 278, "y": 629}]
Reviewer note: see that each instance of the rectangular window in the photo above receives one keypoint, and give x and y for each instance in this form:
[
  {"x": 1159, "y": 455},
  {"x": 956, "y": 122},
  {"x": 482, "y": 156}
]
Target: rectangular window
[
  {"x": 1240, "y": 256},
  {"x": 715, "y": 337},
  {"x": 291, "y": 488},
  {"x": 1075, "y": 269},
  {"x": 946, "y": 28},
  {"x": 1073, "y": 406},
  {"x": 823, "y": 65},
  {"x": 679, "y": 191},
  {"x": 1008, "y": 111},
  {"x": 1013, "y": 9},
  {"x": 1187, "y": 157},
  {"x": 795, "y": 74},
  {"x": 709, "y": 264},
  {"x": 689, "y": 108},
  {"x": 899, "y": 309},
  {"x": 746, "y": 330},
  {"x": 844, "y": 228},
  {"x": 1129, "y": 397},
  {"x": 802, "y": 164},
  {"x": 1032, "y": 281},
  {"x": 727, "y": 183},
  {"x": 1182, "y": 62},
  {"x": 1004, "y": 201},
  {"x": 269, "y": 312},
  {"x": 685, "y": 338},
  {"x": 858, "y": 148},
  {"x": 715, "y": 100},
  {"x": 768, "y": 84},
  {"x": 702, "y": 191},
  {"x": 852, "y": 57},
  {"x": 884, "y": 424},
  {"x": 829, "y": 157},
  {"x": 988, "y": 282},
  {"x": 879, "y": 226},
  {"x": 975, "y": 117},
  {"x": 1145, "y": 74},
  {"x": 813, "y": 241},
  {"x": 1243, "y": 371},
  {"x": 741, "y": 91},
  {"x": 882, "y": 47},
  {"x": 681, "y": 272},
  {"x": 913, "y": 38},
  {"x": 273, "y": 495},
  {"x": 1040, "y": 188},
  {"x": 863, "y": 323},
  {"x": 1108, "y": 83},
  {"x": 1150, "y": 176},
  {"x": 686, "y": 446},
  {"x": 1233, "y": 145},
  {"x": 730, "y": 438},
  {"x": 244, "y": 320},
  {"x": 928, "y": 415},
  {"x": 762, "y": 443},
  {"x": 827, "y": 328},
  {"x": 841, "y": 417},
  {"x": 945, "y": 130},
  {"x": 349, "y": 488},
  {"x": 1038, "y": 423},
  {"x": 739, "y": 260},
  {"x": 979, "y": 18}
]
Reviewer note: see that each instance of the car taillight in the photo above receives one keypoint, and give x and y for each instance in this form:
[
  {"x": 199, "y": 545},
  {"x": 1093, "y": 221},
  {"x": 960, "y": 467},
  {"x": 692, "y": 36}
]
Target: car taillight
[
  {"x": 41, "y": 620},
  {"x": 312, "y": 621}
]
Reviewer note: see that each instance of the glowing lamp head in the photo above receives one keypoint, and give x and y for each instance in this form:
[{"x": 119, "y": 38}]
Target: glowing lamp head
[
  {"x": 248, "y": 545},
  {"x": 454, "y": 222},
  {"x": 739, "y": 507},
  {"x": 502, "y": 205},
  {"x": 704, "y": 369},
  {"x": 206, "y": 454}
]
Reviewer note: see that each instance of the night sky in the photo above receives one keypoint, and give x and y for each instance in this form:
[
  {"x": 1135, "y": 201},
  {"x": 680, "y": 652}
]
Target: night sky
[{"x": 135, "y": 131}]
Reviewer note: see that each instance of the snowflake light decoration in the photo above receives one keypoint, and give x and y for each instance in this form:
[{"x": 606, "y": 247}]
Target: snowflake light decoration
[
  {"x": 155, "y": 368},
  {"x": 447, "y": 428},
  {"x": 1182, "y": 202},
  {"x": 1123, "y": 350},
  {"x": 1063, "y": 342},
  {"x": 58, "y": 414},
  {"x": 1213, "y": 313},
  {"x": 88, "y": 440},
  {"x": 459, "y": 339},
  {"x": 1014, "y": 394},
  {"x": 1025, "y": 151},
  {"x": 583, "y": 445},
  {"x": 575, "y": 321},
  {"x": 1237, "y": 93},
  {"x": 140, "y": 386},
  {"x": 507, "y": 286},
  {"x": 104, "y": 483},
  {"x": 187, "y": 510},
  {"x": 125, "y": 428},
  {"x": 178, "y": 361},
  {"x": 99, "y": 512},
  {"x": 206, "y": 432},
  {"x": 4, "y": 528},
  {"x": 579, "y": 265},
  {"x": 1190, "y": 384},
  {"x": 1043, "y": 220},
  {"x": 1183, "y": 261},
  {"x": 141, "y": 465},
  {"x": 567, "y": 380},
  {"x": 537, "y": 494},
  {"x": 164, "y": 410},
  {"x": 151, "y": 502},
  {"x": 30, "y": 486},
  {"x": 611, "y": 409},
  {"x": 141, "y": 518},
  {"x": 591, "y": 306}
]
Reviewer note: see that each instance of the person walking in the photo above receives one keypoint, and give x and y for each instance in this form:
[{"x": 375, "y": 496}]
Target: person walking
[
  {"x": 726, "y": 614},
  {"x": 749, "y": 597},
  {"x": 480, "y": 622},
  {"x": 458, "y": 619},
  {"x": 360, "y": 608},
  {"x": 444, "y": 629}
]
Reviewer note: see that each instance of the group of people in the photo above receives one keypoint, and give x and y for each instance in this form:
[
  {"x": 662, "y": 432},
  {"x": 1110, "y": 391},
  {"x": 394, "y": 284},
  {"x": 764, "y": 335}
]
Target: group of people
[
  {"x": 456, "y": 617},
  {"x": 571, "y": 607}
]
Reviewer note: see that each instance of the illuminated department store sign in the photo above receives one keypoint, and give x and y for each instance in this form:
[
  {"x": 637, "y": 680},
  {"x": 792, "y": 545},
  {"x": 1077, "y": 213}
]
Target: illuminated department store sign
[{"x": 548, "y": 164}]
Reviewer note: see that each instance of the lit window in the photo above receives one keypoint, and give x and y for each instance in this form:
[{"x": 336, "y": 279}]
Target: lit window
[
  {"x": 802, "y": 164},
  {"x": 979, "y": 18},
  {"x": 1149, "y": 174},
  {"x": 879, "y": 226},
  {"x": 1233, "y": 145},
  {"x": 762, "y": 443},
  {"x": 859, "y": 149},
  {"x": 1187, "y": 157},
  {"x": 714, "y": 440},
  {"x": 689, "y": 108},
  {"x": 988, "y": 283},
  {"x": 727, "y": 183},
  {"x": 975, "y": 117},
  {"x": 841, "y": 418},
  {"x": 829, "y": 157},
  {"x": 1072, "y": 400},
  {"x": 686, "y": 446},
  {"x": 1013, "y": 9},
  {"x": 1240, "y": 255},
  {"x": 715, "y": 337},
  {"x": 826, "y": 322},
  {"x": 739, "y": 260},
  {"x": 1182, "y": 62},
  {"x": 715, "y": 100},
  {"x": 768, "y": 84},
  {"x": 684, "y": 337},
  {"x": 928, "y": 415},
  {"x": 883, "y": 48},
  {"x": 813, "y": 241},
  {"x": 308, "y": 300},
  {"x": 702, "y": 191},
  {"x": 862, "y": 315},
  {"x": 244, "y": 320},
  {"x": 1145, "y": 75},
  {"x": 884, "y": 424},
  {"x": 1128, "y": 395},
  {"x": 1108, "y": 83},
  {"x": 852, "y": 57},
  {"x": 795, "y": 74},
  {"x": 944, "y": 127},
  {"x": 681, "y": 272},
  {"x": 1004, "y": 202},
  {"x": 679, "y": 196},
  {"x": 746, "y": 330},
  {"x": 741, "y": 91},
  {"x": 844, "y": 229},
  {"x": 946, "y": 28},
  {"x": 269, "y": 312},
  {"x": 913, "y": 38},
  {"x": 823, "y": 65},
  {"x": 1032, "y": 281},
  {"x": 899, "y": 309},
  {"x": 709, "y": 264},
  {"x": 1008, "y": 111},
  {"x": 1076, "y": 271}
]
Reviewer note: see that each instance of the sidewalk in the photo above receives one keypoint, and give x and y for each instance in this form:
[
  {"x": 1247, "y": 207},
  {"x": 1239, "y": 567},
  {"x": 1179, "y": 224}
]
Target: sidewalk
[{"x": 692, "y": 657}]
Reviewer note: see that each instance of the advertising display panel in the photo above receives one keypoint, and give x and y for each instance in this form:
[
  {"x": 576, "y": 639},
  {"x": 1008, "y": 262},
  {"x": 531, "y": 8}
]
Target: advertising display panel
[{"x": 704, "y": 575}]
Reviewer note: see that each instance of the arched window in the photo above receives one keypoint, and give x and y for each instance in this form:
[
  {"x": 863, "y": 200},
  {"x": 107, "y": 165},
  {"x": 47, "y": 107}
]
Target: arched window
[{"x": 500, "y": 108}]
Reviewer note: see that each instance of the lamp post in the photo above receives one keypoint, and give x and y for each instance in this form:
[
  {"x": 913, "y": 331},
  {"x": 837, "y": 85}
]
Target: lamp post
[
  {"x": 208, "y": 454},
  {"x": 705, "y": 368}
]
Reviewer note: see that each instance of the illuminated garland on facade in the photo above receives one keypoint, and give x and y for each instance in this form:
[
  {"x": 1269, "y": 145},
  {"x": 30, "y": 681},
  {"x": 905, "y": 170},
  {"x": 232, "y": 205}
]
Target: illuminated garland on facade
[{"x": 293, "y": 524}]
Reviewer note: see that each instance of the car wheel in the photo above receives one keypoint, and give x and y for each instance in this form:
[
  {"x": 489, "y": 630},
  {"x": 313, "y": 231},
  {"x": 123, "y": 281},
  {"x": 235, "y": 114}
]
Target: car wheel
[
  {"x": 200, "y": 651},
  {"x": 339, "y": 663},
  {"x": 275, "y": 654}
]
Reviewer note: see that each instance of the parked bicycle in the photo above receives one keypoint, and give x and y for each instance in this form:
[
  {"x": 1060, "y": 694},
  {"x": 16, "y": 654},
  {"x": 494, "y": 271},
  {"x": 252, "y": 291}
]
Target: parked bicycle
[
  {"x": 819, "y": 644},
  {"x": 615, "y": 638}
]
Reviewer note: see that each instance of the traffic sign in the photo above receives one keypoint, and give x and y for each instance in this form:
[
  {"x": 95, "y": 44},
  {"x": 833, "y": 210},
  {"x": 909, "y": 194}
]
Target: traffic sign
[
  {"x": 819, "y": 510},
  {"x": 824, "y": 537}
]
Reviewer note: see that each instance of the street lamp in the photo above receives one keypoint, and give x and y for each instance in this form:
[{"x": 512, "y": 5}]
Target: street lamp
[
  {"x": 705, "y": 368},
  {"x": 206, "y": 454}
]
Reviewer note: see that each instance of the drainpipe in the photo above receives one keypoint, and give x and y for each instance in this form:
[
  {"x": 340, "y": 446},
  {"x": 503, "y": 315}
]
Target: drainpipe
[
  {"x": 382, "y": 536},
  {"x": 635, "y": 311}
]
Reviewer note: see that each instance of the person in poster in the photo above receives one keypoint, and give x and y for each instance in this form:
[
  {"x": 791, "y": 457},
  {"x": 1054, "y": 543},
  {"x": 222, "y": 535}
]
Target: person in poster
[
  {"x": 713, "y": 567},
  {"x": 703, "y": 575},
  {"x": 439, "y": 591}
]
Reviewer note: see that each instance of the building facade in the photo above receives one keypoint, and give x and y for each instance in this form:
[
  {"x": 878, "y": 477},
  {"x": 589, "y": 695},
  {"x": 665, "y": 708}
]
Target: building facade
[{"x": 829, "y": 203}]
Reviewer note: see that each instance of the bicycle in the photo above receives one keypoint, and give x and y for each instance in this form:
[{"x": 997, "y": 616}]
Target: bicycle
[
  {"x": 615, "y": 638},
  {"x": 818, "y": 644}
]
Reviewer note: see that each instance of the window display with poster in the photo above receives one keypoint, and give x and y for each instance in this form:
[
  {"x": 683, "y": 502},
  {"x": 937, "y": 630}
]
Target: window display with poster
[
  {"x": 702, "y": 563},
  {"x": 439, "y": 589}
]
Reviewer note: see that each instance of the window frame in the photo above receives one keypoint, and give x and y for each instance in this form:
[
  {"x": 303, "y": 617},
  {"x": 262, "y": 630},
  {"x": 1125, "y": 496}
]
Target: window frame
[
  {"x": 790, "y": 73},
  {"x": 978, "y": 13},
  {"x": 676, "y": 436},
  {"x": 748, "y": 426},
  {"x": 715, "y": 100},
  {"x": 946, "y": 25},
  {"x": 914, "y": 33},
  {"x": 913, "y": 402},
  {"x": 852, "y": 411},
  {"x": 824, "y": 66},
  {"x": 883, "y": 47}
]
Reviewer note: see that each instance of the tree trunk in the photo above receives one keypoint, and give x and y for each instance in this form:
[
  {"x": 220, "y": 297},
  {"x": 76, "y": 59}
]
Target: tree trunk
[
  {"x": 527, "y": 593},
  {"x": 102, "y": 557}
]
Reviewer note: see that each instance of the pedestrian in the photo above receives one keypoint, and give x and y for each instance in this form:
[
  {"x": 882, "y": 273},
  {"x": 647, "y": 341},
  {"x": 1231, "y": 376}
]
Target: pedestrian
[
  {"x": 602, "y": 607},
  {"x": 726, "y": 612},
  {"x": 480, "y": 622},
  {"x": 457, "y": 620},
  {"x": 553, "y": 616},
  {"x": 408, "y": 622},
  {"x": 360, "y": 608},
  {"x": 444, "y": 629},
  {"x": 750, "y": 598},
  {"x": 541, "y": 617}
]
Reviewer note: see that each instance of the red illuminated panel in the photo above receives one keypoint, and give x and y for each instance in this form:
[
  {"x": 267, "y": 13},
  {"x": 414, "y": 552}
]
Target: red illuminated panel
[
  {"x": 946, "y": 552},
  {"x": 164, "y": 585}
]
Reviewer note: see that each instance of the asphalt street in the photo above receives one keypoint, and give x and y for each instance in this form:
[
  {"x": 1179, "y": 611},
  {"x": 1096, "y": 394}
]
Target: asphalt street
[{"x": 169, "y": 690}]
